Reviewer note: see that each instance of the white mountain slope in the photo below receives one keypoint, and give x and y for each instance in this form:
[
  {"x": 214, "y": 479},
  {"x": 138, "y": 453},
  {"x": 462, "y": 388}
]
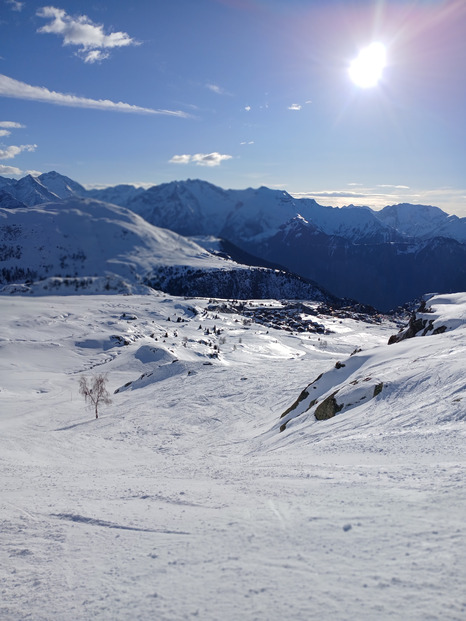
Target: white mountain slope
[
  {"x": 62, "y": 186},
  {"x": 423, "y": 221},
  {"x": 195, "y": 207},
  {"x": 87, "y": 238},
  {"x": 30, "y": 191},
  {"x": 183, "y": 500},
  {"x": 424, "y": 387}
]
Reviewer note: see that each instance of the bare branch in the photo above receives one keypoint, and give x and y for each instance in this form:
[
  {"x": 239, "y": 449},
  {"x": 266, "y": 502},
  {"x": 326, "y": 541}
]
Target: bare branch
[{"x": 95, "y": 391}]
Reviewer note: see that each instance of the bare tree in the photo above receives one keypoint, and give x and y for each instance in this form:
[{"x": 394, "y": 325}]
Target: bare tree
[{"x": 95, "y": 391}]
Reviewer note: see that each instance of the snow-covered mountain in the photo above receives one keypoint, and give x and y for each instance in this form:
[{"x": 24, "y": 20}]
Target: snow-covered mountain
[
  {"x": 195, "y": 207},
  {"x": 8, "y": 201},
  {"x": 423, "y": 221},
  {"x": 87, "y": 245},
  {"x": 61, "y": 186},
  {"x": 119, "y": 194},
  {"x": 384, "y": 258},
  {"x": 28, "y": 190}
]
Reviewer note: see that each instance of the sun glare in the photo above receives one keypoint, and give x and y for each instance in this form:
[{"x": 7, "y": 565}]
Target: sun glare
[{"x": 367, "y": 68}]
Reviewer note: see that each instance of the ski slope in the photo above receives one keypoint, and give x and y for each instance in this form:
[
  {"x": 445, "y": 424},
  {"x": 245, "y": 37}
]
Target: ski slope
[{"x": 184, "y": 500}]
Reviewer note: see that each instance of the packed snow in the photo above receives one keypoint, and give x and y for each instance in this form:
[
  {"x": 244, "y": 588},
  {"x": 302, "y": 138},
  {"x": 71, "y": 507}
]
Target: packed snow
[{"x": 185, "y": 500}]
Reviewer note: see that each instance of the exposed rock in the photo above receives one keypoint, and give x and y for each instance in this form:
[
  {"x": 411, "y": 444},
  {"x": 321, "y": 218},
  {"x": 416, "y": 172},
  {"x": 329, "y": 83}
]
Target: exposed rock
[
  {"x": 416, "y": 325},
  {"x": 328, "y": 408},
  {"x": 378, "y": 389}
]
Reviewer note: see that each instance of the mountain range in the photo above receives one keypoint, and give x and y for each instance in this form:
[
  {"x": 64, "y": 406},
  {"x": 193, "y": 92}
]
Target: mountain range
[
  {"x": 383, "y": 258},
  {"x": 82, "y": 245}
]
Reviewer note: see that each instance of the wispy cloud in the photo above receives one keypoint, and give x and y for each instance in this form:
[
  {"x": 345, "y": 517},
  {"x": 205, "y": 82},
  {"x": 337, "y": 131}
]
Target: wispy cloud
[
  {"x": 5, "y": 127},
  {"x": 82, "y": 32},
  {"x": 219, "y": 90},
  {"x": 200, "y": 159},
  {"x": 298, "y": 106},
  {"x": 11, "y": 125},
  {"x": 180, "y": 159},
  {"x": 247, "y": 142},
  {"x": 331, "y": 194},
  {"x": 15, "y": 5},
  {"x": 20, "y": 90},
  {"x": 396, "y": 187},
  {"x": 451, "y": 200},
  {"x": 17, "y": 172},
  {"x": 12, "y": 151},
  {"x": 9, "y": 170}
]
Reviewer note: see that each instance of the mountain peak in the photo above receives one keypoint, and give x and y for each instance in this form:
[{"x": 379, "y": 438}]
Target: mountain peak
[{"x": 60, "y": 185}]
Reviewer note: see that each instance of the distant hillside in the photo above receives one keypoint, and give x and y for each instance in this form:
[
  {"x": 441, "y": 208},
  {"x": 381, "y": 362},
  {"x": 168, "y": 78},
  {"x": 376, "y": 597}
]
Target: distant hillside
[
  {"x": 383, "y": 258},
  {"x": 83, "y": 245}
]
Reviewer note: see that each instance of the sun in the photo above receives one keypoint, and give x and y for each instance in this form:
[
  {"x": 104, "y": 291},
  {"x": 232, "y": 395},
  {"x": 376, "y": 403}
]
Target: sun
[{"x": 367, "y": 68}]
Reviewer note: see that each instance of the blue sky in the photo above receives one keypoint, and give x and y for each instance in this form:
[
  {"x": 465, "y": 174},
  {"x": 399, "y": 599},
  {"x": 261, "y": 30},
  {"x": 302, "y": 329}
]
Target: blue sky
[{"x": 240, "y": 93}]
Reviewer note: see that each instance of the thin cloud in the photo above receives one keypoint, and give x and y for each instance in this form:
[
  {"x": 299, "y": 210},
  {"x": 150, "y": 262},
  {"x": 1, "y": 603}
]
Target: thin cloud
[
  {"x": 247, "y": 142},
  {"x": 12, "y": 151},
  {"x": 15, "y": 5},
  {"x": 396, "y": 187},
  {"x": 6, "y": 126},
  {"x": 9, "y": 170},
  {"x": 200, "y": 159},
  {"x": 295, "y": 107},
  {"x": 17, "y": 172},
  {"x": 217, "y": 89},
  {"x": 96, "y": 56},
  {"x": 451, "y": 200},
  {"x": 82, "y": 32},
  {"x": 247, "y": 108},
  {"x": 334, "y": 194},
  {"x": 11, "y": 125},
  {"x": 180, "y": 159},
  {"x": 20, "y": 90}
]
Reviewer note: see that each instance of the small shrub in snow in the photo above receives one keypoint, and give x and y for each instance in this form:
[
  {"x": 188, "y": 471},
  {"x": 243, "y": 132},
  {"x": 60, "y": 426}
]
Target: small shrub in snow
[{"x": 95, "y": 391}]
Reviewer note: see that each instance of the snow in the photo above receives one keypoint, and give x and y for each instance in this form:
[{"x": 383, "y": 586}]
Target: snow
[
  {"x": 423, "y": 221},
  {"x": 88, "y": 238},
  {"x": 196, "y": 207},
  {"x": 184, "y": 499},
  {"x": 62, "y": 186}
]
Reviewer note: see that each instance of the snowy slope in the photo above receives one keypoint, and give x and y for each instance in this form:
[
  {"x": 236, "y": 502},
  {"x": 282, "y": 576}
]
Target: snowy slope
[
  {"x": 84, "y": 245},
  {"x": 385, "y": 258},
  {"x": 87, "y": 238},
  {"x": 184, "y": 500},
  {"x": 30, "y": 191},
  {"x": 393, "y": 380},
  {"x": 7, "y": 200},
  {"x": 423, "y": 221},
  {"x": 195, "y": 207},
  {"x": 60, "y": 185},
  {"x": 118, "y": 194}
]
